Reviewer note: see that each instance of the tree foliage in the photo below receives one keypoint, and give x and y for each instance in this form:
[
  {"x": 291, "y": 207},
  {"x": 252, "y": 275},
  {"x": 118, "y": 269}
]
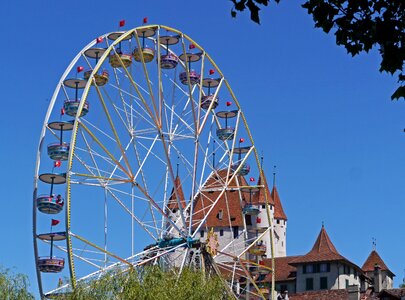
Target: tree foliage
[
  {"x": 13, "y": 286},
  {"x": 359, "y": 26},
  {"x": 151, "y": 283}
]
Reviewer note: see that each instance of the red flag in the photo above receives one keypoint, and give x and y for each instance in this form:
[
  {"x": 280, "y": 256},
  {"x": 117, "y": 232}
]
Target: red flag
[
  {"x": 54, "y": 222},
  {"x": 212, "y": 71},
  {"x": 258, "y": 220},
  {"x": 145, "y": 20},
  {"x": 228, "y": 103},
  {"x": 261, "y": 262},
  {"x": 99, "y": 39},
  {"x": 57, "y": 163},
  {"x": 79, "y": 69},
  {"x": 252, "y": 179},
  {"x": 122, "y": 23},
  {"x": 62, "y": 111},
  {"x": 241, "y": 140},
  {"x": 192, "y": 46}
]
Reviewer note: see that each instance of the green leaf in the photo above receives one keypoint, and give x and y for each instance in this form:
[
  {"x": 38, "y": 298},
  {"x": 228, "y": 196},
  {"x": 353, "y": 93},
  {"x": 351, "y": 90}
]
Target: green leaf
[
  {"x": 399, "y": 93},
  {"x": 254, "y": 11}
]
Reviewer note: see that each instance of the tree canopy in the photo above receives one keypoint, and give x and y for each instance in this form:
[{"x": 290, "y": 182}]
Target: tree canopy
[
  {"x": 13, "y": 286},
  {"x": 358, "y": 25},
  {"x": 151, "y": 283}
]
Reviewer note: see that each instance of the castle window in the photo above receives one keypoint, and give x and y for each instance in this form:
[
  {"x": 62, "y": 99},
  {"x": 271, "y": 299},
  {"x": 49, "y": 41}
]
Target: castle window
[
  {"x": 278, "y": 221},
  {"x": 323, "y": 283},
  {"x": 325, "y": 267},
  {"x": 283, "y": 288},
  {"x": 308, "y": 268},
  {"x": 347, "y": 283},
  {"x": 248, "y": 220},
  {"x": 235, "y": 231},
  {"x": 263, "y": 205},
  {"x": 309, "y": 284},
  {"x": 220, "y": 214},
  {"x": 221, "y": 232},
  {"x": 202, "y": 233}
]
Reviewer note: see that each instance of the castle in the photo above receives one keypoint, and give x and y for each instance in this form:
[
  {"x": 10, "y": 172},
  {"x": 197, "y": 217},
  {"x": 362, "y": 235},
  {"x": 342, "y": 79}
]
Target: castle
[{"x": 322, "y": 273}]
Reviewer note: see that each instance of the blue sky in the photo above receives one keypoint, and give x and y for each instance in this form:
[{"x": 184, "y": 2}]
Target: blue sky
[{"x": 325, "y": 119}]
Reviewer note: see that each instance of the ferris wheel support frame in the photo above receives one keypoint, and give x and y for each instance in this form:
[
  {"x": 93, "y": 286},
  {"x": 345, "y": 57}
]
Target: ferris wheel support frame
[{"x": 156, "y": 116}]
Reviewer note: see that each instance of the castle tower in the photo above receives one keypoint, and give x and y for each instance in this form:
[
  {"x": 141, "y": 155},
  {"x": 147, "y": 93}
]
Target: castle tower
[
  {"x": 280, "y": 223},
  {"x": 176, "y": 197},
  {"x": 262, "y": 221},
  {"x": 374, "y": 267}
]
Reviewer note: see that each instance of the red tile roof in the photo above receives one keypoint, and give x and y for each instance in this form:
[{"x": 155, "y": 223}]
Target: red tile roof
[
  {"x": 228, "y": 208},
  {"x": 394, "y": 293},
  {"x": 323, "y": 250},
  {"x": 372, "y": 260},
  {"x": 278, "y": 208},
  {"x": 172, "y": 203},
  {"x": 284, "y": 271},
  {"x": 321, "y": 295},
  {"x": 260, "y": 196}
]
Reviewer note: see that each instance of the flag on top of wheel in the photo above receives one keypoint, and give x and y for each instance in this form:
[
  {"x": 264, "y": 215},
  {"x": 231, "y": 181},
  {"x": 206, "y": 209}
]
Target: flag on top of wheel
[
  {"x": 192, "y": 46},
  {"x": 122, "y": 23},
  {"x": 145, "y": 20},
  {"x": 57, "y": 164},
  {"x": 54, "y": 222}
]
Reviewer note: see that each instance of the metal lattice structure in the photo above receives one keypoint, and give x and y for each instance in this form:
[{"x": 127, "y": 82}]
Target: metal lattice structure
[{"x": 147, "y": 157}]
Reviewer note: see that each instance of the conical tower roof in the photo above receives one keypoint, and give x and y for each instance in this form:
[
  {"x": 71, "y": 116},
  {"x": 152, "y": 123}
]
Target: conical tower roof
[
  {"x": 372, "y": 260},
  {"x": 173, "y": 203},
  {"x": 323, "y": 250},
  {"x": 278, "y": 207},
  {"x": 260, "y": 196}
]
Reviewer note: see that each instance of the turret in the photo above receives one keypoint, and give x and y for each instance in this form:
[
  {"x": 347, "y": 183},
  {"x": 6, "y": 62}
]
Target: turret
[{"x": 280, "y": 223}]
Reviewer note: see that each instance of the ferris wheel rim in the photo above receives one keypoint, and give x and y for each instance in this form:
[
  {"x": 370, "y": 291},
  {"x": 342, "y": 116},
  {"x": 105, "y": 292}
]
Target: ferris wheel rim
[{"x": 83, "y": 99}]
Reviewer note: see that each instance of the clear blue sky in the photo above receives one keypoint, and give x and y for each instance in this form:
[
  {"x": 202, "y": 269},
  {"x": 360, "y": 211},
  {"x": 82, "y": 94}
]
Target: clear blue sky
[{"x": 325, "y": 119}]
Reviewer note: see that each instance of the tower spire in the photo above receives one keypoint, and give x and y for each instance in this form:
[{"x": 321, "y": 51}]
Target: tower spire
[
  {"x": 177, "y": 166},
  {"x": 274, "y": 176},
  {"x": 374, "y": 243}
]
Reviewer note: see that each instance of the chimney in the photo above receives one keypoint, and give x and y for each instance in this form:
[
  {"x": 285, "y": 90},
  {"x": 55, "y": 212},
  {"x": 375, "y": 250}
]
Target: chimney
[
  {"x": 377, "y": 278},
  {"x": 354, "y": 292}
]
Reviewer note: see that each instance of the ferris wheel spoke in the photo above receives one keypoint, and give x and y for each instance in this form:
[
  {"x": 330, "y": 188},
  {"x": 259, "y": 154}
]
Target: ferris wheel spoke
[
  {"x": 136, "y": 87},
  {"x": 207, "y": 114},
  {"x": 130, "y": 212},
  {"x": 113, "y": 128},
  {"x": 99, "y": 248},
  {"x": 146, "y": 73},
  {"x": 77, "y": 256},
  {"x": 105, "y": 149},
  {"x": 172, "y": 177}
]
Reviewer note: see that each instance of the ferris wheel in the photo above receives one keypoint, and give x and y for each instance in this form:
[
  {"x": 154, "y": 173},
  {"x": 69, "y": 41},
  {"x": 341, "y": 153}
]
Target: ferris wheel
[{"x": 145, "y": 158}]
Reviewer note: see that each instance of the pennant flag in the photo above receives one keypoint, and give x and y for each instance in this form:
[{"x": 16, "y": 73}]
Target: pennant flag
[
  {"x": 212, "y": 71},
  {"x": 99, "y": 39},
  {"x": 62, "y": 111},
  {"x": 192, "y": 46},
  {"x": 145, "y": 20},
  {"x": 122, "y": 23},
  {"x": 251, "y": 179},
  {"x": 261, "y": 262},
  {"x": 57, "y": 163},
  {"x": 241, "y": 140},
  {"x": 80, "y": 69},
  {"x": 228, "y": 103},
  {"x": 54, "y": 222},
  {"x": 258, "y": 220}
]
